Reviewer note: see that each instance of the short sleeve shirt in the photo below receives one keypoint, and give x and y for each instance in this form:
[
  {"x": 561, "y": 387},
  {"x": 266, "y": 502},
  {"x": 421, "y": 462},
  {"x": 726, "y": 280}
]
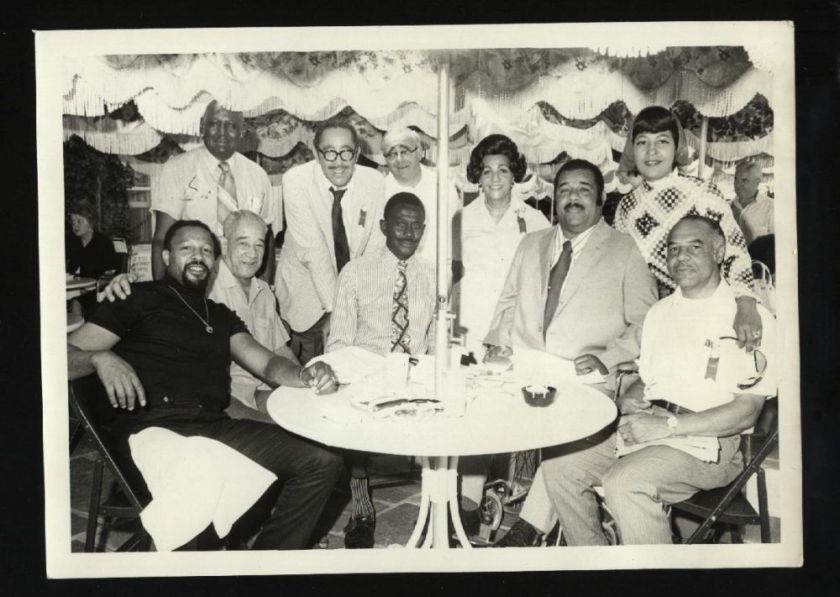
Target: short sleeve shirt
[
  {"x": 188, "y": 188},
  {"x": 177, "y": 361}
]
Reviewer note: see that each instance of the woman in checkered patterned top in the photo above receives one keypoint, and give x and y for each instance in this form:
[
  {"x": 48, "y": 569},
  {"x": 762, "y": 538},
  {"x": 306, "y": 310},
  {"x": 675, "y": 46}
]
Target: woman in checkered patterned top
[{"x": 665, "y": 195}]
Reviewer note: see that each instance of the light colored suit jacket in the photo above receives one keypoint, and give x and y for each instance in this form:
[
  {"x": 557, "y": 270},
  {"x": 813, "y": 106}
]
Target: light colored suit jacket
[
  {"x": 602, "y": 306},
  {"x": 305, "y": 283}
]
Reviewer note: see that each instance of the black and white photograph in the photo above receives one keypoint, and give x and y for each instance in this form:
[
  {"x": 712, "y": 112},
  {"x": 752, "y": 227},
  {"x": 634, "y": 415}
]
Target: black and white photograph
[{"x": 419, "y": 299}]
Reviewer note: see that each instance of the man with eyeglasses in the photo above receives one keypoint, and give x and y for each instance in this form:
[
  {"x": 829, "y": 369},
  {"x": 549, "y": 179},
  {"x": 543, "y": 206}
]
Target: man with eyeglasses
[
  {"x": 332, "y": 209},
  {"x": 385, "y": 303},
  {"x": 695, "y": 382},
  {"x": 403, "y": 151}
]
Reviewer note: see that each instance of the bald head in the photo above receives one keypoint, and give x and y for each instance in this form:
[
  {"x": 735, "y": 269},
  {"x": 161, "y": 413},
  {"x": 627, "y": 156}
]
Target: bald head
[
  {"x": 221, "y": 130},
  {"x": 245, "y": 239},
  {"x": 747, "y": 179},
  {"x": 696, "y": 248}
]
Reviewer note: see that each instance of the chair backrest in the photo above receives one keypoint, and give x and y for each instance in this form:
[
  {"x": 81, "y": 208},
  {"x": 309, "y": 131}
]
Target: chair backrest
[
  {"x": 88, "y": 399},
  {"x": 122, "y": 250},
  {"x": 765, "y": 430}
]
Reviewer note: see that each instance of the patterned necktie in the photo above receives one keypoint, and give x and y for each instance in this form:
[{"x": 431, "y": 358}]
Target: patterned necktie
[
  {"x": 227, "y": 183},
  {"x": 400, "y": 338},
  {"x": 555, "y": 284},
  {"x": 342, "y": 249}
]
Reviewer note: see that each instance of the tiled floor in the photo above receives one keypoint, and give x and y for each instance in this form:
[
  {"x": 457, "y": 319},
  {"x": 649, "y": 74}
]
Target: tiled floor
[{"x": 395, "y": 489}]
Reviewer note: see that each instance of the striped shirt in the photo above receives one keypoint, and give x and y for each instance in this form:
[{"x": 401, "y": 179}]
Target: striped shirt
[{"x": 365, "y": 298}]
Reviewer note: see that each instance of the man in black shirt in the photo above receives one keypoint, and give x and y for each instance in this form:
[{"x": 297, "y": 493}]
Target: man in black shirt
[{"x": 164, "y": 355}]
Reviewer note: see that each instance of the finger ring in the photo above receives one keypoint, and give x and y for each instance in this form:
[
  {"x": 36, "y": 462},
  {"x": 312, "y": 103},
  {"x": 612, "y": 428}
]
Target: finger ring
[{"x": 756, "y": 334}]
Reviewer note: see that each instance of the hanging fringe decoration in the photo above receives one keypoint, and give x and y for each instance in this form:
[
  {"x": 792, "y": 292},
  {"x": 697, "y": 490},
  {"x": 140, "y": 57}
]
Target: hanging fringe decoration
[
  {"x": 733, "y": 151},
  {"x": 172, "y": 93}
]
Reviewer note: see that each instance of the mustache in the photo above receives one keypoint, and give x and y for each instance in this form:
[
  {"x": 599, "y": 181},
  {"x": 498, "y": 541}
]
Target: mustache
[
  {"x": 572, "y": 204},
  {"x": 198, "y": 263}
]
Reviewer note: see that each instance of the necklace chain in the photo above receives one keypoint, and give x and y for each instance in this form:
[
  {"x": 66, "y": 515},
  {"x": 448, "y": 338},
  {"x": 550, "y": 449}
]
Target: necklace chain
[{"x": 207, "y": 327}]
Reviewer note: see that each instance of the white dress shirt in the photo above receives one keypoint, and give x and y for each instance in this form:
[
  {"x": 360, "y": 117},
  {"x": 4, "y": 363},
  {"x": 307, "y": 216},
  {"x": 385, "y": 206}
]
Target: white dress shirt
[
  {"x": 188, "y": 188},
  {"x": 756, "y": 219}
]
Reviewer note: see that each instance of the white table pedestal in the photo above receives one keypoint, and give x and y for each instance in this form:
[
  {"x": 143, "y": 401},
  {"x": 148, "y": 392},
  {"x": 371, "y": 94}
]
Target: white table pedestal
[{"x": 438, "y": 501}]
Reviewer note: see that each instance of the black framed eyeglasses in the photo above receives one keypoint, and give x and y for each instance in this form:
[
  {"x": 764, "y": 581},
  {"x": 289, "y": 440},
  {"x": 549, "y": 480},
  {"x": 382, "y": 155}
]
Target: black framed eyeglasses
[
  {"x": 395, "y": 154},
  {"x": 332, "y": 155},
  {"x": 760, "y": 361}
]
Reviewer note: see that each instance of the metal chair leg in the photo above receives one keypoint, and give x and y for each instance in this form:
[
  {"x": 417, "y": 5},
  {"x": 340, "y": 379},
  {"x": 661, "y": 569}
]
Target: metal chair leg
[
  {"x": 93, "y": 506},
  {"x": 763, "y": 513}
]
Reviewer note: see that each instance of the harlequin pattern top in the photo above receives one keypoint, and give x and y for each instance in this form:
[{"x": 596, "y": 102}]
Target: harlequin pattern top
[{"x": 651, "y": 210}]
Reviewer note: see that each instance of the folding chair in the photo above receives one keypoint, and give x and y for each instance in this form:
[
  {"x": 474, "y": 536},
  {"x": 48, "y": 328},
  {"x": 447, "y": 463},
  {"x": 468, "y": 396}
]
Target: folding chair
[
  {"x": 87, "y": 398},
  {"x": 728, "y": 505}
]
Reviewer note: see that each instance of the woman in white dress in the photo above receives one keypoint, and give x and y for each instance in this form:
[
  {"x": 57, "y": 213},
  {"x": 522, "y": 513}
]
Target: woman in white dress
[{"x": 486, "y": 234}]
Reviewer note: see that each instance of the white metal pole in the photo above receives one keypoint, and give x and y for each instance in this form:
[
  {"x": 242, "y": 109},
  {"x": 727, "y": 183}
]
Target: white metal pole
[
  {"x": 704, "y": 134},
  {"x": 441, "y": 338}
]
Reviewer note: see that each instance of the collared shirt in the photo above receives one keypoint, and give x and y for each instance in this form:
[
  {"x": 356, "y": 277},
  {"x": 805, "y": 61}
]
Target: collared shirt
[
  {"x": 487, "y": 248},
  {"x": 756, "y": 219},
  {"x": 578, "y": 244},
  {"x": 365, "y": 298},
  {"x": 649, "y": 213},
  {"x": 426, "y": 191},
  {"x": 188, "y": 187},
  {"x": 259, "y": 312},
  {"x": 682, "y": 335}
]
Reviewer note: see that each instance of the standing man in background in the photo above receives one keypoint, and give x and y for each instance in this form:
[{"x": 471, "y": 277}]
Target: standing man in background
[
  {"x": 753, "y": 209},
  {"x": 403, "y": 150},
  {"x": 210, "y": 182},
  {"x": 332, "y": 211}
]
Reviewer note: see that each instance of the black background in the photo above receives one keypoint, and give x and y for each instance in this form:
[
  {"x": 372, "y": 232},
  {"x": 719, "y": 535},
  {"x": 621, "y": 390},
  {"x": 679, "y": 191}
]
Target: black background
[{"x": 21, "y": 460}]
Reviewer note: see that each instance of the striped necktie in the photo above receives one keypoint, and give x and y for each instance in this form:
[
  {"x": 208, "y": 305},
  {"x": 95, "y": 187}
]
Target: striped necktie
[
  {"x": 400, "y": 338},
  {"x": 227, "y": 183}
]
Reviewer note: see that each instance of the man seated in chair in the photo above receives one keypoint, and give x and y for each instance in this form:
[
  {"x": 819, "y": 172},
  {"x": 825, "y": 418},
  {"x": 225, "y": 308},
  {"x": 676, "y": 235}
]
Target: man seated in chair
[
  {"x": 695, "y": 382},
  {"x": 384, "y": 303},
  {"x": 579, "y": 291},
  {"x": 235, "y": 285},
  {"x": 163, "y": 356}
]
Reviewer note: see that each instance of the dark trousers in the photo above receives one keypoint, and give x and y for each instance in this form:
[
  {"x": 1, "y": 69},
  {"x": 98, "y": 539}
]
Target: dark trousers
[
  {"x": 311, "y": 342},
  {"x": 306, "y": 470}
]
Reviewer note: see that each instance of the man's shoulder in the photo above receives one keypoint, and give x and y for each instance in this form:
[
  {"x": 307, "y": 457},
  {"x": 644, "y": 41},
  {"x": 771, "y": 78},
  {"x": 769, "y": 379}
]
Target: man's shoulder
[
  {"x": 177, "y": 162},
  {"x": 253, "y": 168},
  {"x": 368, "y": 176},
  {"x": 299, "y": 173},
  {"x": 620, "y": 240},
  {"x": 363, "y": 262}
]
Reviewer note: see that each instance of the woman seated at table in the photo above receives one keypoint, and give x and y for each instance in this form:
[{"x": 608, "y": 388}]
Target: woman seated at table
[
  {"x": 486, "y": 234},
  {"x": 656, "y": 146},
  {"x": 90, "y": 253}
]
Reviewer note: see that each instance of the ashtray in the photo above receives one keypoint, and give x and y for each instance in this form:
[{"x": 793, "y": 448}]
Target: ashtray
[{"x": 539, "y": 395}]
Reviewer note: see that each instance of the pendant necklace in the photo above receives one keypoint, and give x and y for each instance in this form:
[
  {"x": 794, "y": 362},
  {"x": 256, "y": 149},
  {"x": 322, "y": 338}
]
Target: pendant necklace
[{"x": 207, "y": 327}]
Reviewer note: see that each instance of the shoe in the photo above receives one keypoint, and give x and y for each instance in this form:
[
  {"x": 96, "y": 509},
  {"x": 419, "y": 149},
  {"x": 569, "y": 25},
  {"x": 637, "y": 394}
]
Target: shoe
[
  {"x": 521, "y": 534},
  {"x": 358, "y": 534}
]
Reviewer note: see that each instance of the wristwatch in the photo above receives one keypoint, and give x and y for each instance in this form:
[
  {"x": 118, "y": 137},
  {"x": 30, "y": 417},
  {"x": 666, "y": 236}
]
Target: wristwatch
[{"x": 672, "y": 422}]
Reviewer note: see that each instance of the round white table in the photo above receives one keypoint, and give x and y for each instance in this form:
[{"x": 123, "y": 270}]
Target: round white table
[
  {"x": 494, "y": 422},
  {"x": 77, "y": 286}
]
